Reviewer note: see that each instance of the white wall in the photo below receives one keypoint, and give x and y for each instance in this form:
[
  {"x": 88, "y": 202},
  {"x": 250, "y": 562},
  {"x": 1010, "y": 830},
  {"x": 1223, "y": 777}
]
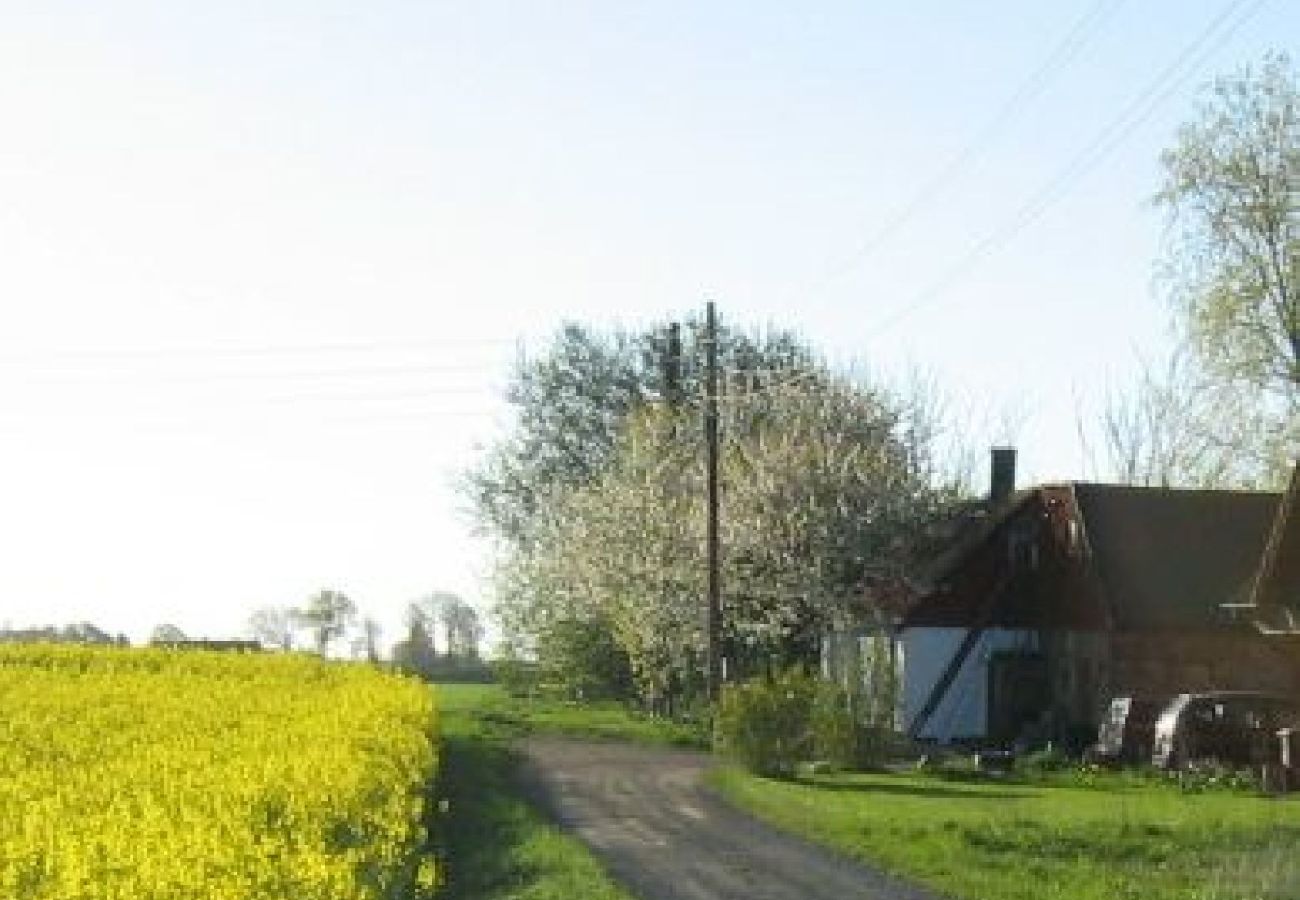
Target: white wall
[{"x": 926, "y": 652}]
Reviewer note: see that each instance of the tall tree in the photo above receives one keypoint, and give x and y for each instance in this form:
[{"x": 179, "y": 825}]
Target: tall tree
[
  {"x": 422, "y": 614},
  {"x": 1224, "y": 411},
  {"x": 460, "y": 623},
  {"x": 328, "y": 614},
  {"x": 572, "y": 400},
  {"x": 274, "y": 626},
  {"x": 415, "y": 653},
  {"x": 824, "y": 479},
  {"x": 1232, "y": 191}
]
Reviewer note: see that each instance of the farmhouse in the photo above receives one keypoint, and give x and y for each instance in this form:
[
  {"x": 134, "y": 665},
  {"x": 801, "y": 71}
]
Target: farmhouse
[{"x": 1056, "y": 598}]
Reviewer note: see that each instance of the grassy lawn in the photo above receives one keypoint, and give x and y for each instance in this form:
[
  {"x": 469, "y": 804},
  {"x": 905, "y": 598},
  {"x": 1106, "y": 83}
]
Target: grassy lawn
[
  {"x": 1111, "y": 840},
  {"x": 603, "y": 721},
  {"x": 497, "y": 844},
  {"x": 1053, "y": 838}
]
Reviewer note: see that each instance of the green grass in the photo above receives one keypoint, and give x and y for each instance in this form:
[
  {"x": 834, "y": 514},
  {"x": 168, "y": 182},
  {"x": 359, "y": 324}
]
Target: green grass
[
  {"x": 602, "y": 721},
  {"x": 1051, "y": 838},
  {"x": 1110, "y": 840},
  {"x": 497, "y": 845}
]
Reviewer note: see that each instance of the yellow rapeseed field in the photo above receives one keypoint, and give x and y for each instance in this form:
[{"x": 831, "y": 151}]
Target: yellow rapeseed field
[{"x": 141, "y": 774}]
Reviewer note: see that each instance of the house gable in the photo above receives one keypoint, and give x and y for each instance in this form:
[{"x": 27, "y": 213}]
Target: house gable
[
  {"x": 1032, "y": 555},
  {"x": 1275, "y": 589}
]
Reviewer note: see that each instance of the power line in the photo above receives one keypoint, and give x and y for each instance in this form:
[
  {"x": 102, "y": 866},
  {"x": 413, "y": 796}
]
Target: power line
[
  {"x": 1065, "y": 51},
  {"x": 1172, "y": 77},
  {"x": 260, "y": 350},
  {"x": 163, "y": 377}
]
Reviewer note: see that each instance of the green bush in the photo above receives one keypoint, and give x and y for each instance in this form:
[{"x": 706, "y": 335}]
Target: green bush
[
  {"x": 518, "y": 676},
  {"x": 835, "y": 734},
  {"x": 765, "y": 724},
  {"x": 850, "y": 731},
  {"x": 1048, "y": 759}
]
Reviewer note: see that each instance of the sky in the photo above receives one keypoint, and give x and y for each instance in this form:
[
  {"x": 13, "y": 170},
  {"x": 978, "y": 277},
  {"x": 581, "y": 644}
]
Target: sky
[{"x": 264, "y": 268}]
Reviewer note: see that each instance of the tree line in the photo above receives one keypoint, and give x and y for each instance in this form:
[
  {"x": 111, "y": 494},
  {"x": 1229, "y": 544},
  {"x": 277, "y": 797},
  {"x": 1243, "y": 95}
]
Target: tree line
[
  {"x": 329, "y": 616},
  {"x": 327, "y": 619}
]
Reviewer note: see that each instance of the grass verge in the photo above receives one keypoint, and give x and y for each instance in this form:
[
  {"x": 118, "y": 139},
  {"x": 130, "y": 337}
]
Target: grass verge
[
  {"x": 497, "y": 845},
  {"x": 601, "y": 720},
  {"x": 1109, "y": 840}
]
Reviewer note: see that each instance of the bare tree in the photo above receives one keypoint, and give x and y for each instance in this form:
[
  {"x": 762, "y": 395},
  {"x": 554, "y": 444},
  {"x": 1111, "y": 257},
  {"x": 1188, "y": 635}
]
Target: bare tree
[
  {"x": 328, "y": 614},
  {"x": 274, "y": 626},
  {"x": 1179, "y": 427}
]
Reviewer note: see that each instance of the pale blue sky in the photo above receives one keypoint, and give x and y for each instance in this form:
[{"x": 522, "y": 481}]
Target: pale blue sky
[{"x": 264, "y": 266}]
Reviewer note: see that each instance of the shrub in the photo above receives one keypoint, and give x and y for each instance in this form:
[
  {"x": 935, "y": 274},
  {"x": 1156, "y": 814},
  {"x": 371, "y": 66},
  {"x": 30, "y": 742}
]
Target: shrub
[
  {"x": 1048, "y": 759},
  {"x": 517, "y": 676},
  {"x": 1210, "y": 775},
  {"x": 835, "y": 734},
  {"x": 764, "y": 724}
]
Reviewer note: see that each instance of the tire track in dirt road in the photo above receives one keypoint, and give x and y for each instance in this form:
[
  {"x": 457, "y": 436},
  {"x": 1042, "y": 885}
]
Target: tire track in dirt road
[{"x": 646, "y": 813}]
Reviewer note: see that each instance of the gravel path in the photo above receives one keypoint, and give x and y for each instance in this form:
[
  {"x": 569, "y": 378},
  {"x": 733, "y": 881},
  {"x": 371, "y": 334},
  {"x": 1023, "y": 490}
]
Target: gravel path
[{"x": 646, "y": 814}]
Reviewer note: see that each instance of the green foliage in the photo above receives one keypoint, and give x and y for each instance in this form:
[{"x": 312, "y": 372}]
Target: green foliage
[
  {"x": 417, "y": 653},
  {"x": 580, "y": 660},
  {"x": 1230, "y": 186},
  {"x": 572, "y": 400},
  {"x": 835, "y": 731},
  {"x": 1233, "y": 266},
  {"x": 517, "y": 676},
  {"x": 1225, "y": 411},
  {"x": 845, "y": 733},
  {"x": 1048, "y": 759},
  {"x": 824, "y": 477},
  {"x": 766, "y": 724}
]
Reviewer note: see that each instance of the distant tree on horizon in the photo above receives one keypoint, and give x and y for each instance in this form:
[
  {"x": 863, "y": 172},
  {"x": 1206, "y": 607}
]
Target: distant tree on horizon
[
  {"x": 78, "y": 633},
  {"x": 274, "y": 626},
  {"x": 328, "y": 615},
  {"x": 166, "y": 634}
]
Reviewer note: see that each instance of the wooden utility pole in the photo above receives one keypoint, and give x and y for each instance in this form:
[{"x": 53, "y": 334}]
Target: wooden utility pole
[{"x": 713, "y": 617}]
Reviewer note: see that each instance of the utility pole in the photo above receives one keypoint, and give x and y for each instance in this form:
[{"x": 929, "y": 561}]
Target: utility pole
[{"x": 713, "y": 617}]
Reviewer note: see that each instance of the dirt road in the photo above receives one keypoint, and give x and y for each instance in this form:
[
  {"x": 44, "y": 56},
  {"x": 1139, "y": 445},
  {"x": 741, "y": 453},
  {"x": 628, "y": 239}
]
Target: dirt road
[{"x": 645, "y": 812}]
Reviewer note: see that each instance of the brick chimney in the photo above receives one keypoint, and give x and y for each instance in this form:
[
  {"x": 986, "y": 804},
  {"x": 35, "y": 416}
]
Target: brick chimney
[{"x": 1002, "y": 475}]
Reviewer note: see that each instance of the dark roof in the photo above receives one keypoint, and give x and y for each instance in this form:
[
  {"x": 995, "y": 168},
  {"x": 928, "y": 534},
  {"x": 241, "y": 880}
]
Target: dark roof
[
  {"x": 1277, "y": 584},
  {"x": 1165, "y": 558},
  {"x": 1171, "y": 558},
  {"x": 972, "y": 528}
]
